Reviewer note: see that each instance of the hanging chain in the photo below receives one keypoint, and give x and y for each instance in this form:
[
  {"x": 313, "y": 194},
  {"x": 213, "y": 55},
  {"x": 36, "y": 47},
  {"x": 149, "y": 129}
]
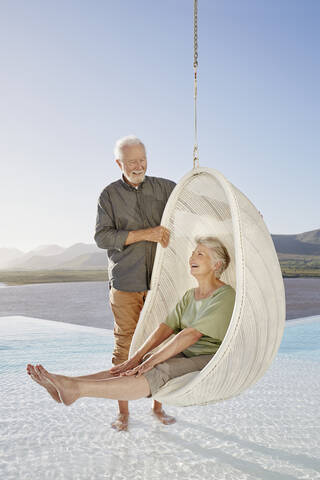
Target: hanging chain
[{"x": 195, "y": 66}]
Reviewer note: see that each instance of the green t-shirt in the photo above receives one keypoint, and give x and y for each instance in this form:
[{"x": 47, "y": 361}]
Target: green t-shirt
[{"x": 210, "y": 316}]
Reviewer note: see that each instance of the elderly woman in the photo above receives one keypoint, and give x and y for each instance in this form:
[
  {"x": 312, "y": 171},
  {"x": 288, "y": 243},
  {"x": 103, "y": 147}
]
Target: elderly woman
[{"x": 199, "y": 323}]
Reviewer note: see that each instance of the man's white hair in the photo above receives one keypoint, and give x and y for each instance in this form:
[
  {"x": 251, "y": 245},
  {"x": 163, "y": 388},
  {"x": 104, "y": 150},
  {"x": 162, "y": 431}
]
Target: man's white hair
[{"x": 125, "y": 142}]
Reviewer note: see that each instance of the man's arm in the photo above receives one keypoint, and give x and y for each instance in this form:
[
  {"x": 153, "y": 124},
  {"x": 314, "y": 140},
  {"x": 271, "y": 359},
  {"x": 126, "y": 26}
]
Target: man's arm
[
  {"x": 156, "y": 234},
  {"x": 107, "y": 236}
]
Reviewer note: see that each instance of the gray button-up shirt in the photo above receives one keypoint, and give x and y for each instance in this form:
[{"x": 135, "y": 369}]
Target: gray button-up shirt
[{"x": 121, "y": 209}]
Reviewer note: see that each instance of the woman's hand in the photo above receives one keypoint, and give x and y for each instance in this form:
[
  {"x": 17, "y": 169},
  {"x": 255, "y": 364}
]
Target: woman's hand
[
  {"x": 124, "y": 366},
  {"x": 142, "y": 368}
]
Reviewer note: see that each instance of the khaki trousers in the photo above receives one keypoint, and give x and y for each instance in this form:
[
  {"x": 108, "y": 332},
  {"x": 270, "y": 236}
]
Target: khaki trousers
[{"x": 126, "y": 308}]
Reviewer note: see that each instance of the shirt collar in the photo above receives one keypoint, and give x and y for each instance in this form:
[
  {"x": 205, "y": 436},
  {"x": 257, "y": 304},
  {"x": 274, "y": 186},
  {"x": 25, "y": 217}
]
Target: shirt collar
[{"x": 130, "y": 187}]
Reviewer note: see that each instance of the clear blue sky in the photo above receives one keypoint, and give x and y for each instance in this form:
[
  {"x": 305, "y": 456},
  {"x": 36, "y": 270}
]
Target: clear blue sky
[{"x": 77, "y": 75}]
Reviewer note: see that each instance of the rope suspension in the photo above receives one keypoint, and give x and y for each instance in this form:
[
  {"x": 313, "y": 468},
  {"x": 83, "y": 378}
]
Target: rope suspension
[{"x": 195, "y": 66}]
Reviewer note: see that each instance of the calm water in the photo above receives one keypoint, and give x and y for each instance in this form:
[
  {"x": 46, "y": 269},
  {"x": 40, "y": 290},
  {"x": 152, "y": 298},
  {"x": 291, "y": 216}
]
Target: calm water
[
  {"x": 267, "y": 432},
  {"x": 83, "y": 303},
  {"x": 86, "y": 303}
]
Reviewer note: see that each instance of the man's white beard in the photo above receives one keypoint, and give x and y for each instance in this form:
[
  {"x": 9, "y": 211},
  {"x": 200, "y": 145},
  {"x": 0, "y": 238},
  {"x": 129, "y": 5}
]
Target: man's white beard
[{"x": 136, "y": 178}]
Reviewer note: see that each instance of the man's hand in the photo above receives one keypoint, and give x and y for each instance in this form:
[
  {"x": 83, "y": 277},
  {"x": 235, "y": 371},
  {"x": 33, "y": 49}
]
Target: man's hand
[
  {"x": 154, "y": 234},
  {"x": 158, "y": 234}
]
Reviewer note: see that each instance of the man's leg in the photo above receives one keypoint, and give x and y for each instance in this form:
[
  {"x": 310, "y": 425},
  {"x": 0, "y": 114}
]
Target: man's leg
[
  {"x": 161, "y": 415},
  {"x": 126, "y": 308}
]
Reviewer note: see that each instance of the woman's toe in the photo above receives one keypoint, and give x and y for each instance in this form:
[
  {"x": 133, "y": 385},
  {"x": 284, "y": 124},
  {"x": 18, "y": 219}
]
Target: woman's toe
[
  {"x": 37, "y": 371},
  {"x": 44, "y": 372}
]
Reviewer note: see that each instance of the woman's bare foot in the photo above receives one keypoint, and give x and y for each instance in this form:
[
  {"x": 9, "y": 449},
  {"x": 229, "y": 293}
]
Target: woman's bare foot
[
  {"x": 163, "y": 417},
  {"x": 43, "y": 382},
  {"x": 66, "y": 387},
  {"x": 121, "y": 422}
]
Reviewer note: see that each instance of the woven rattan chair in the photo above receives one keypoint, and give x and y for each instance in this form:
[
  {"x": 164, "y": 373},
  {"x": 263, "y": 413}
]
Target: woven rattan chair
[{"x": 206, "y": 203}]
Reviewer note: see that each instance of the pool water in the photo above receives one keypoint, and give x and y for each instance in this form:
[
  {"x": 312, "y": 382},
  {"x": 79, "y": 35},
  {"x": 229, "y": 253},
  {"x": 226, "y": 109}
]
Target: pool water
[
  {"x": 59, "y": 345},
  {"x": 269, "y": 431},
  {"x": 302, "y": 338},
  {"x": 25, "y": 340}
]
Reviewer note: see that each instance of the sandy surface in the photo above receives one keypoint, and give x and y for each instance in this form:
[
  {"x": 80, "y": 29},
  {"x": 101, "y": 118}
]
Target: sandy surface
[{"x": 270, "y": 432}]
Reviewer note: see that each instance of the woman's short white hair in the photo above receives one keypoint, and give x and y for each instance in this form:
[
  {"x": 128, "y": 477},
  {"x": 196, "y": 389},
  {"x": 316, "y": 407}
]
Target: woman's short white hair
[
  {"x": 124, "y": 142},
  {"x": 219, "y": 253}
]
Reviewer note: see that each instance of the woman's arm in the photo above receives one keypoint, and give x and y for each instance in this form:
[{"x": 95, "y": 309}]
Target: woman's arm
[
  {"x": 153, "y": 341},
  {"x": 181, "y": 341}
]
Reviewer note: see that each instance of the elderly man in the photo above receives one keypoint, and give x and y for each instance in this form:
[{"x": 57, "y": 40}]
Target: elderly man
[{"x": 128, "y": 227}]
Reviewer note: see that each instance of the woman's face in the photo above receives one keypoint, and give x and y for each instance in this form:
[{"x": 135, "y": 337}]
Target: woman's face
[{"x": 201, "y": 262}]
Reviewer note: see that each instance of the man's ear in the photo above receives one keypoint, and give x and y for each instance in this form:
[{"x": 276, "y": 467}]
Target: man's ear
[{"x": 119, "y": 163}]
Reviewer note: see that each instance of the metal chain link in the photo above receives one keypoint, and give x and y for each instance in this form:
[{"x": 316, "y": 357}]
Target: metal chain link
[
  {"x": 195, "y": 66},
  {"x": 195, "y": 33}
]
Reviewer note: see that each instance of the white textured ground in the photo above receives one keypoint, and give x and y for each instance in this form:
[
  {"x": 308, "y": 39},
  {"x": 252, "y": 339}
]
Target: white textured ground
[{"x": 270, "y": 432}]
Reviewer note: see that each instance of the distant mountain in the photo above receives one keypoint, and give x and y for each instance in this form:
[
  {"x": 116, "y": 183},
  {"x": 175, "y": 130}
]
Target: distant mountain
[
  {"x": 35, "y": 261},
  {"x": 307, "y": 243},
  {"x": 8, "y": 255},
  {"x": 310, "y": 237},
  {"x": 20, "y": 258},
  {"x": 92, "y": 261},
  {"x": 47, "y": 250},
  {"x": 82, "y": 256}
]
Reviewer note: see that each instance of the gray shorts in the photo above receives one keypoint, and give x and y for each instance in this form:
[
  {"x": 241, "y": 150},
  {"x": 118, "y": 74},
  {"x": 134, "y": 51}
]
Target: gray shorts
[{"x": 172, "y": 368}]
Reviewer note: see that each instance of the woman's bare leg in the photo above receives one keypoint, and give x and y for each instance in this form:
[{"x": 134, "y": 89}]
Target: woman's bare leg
[
  {"x": 122, "y": 420},
  {"x": 121, "y": 423},
  {"x": 44, "y": 382},
  {"x": 103, "y": 375},
  {"x": 118, "y": 388}
]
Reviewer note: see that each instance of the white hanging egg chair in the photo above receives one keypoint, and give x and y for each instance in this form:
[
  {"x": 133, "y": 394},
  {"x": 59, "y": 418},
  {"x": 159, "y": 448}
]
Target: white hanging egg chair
[{"x": 206, "y": 203}]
